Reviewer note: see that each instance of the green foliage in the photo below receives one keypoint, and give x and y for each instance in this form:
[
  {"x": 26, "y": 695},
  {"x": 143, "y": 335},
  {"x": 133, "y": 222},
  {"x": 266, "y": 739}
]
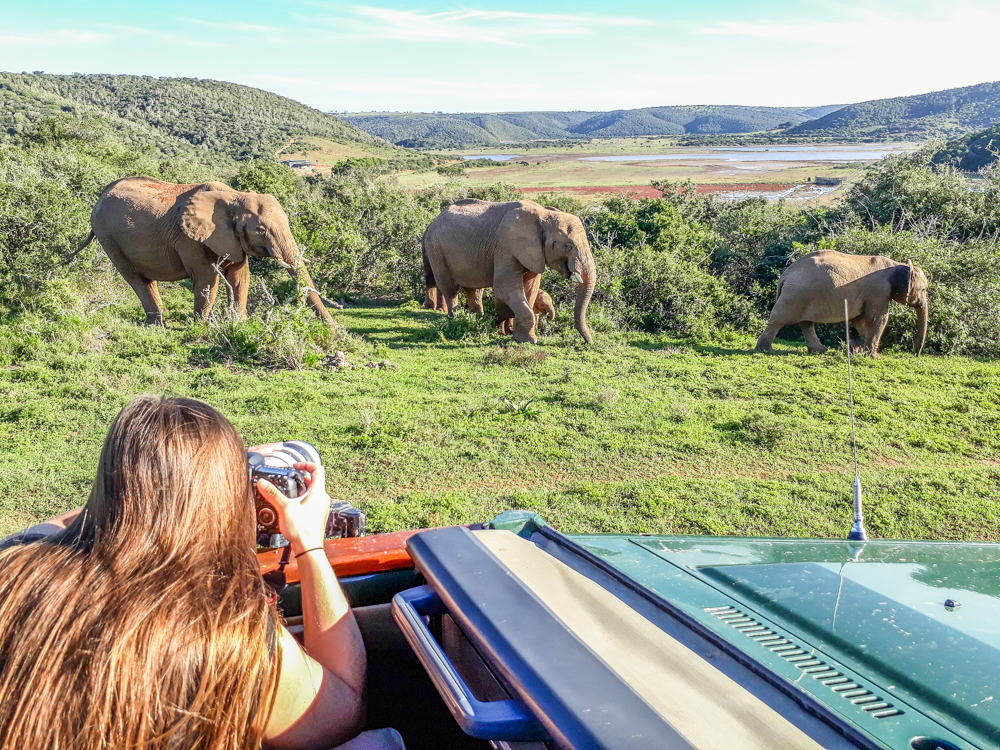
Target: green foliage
[
  {"x": 654, "y": 271},
  {"x": 175, "y": 113},
  {"x": 906, "y": 193},
  {"x": 424, "y": 130},
  {"x": 369, "y": 165},
  {"x": 939, "y": 114},
  {"x": 972, "y": 152},
  {"x": 267, "y": 176},
  {"x": 451, "y": 170}
]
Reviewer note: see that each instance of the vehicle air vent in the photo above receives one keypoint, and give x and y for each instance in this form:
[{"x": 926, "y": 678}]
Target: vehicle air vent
[{"x": 788, "y": 650}]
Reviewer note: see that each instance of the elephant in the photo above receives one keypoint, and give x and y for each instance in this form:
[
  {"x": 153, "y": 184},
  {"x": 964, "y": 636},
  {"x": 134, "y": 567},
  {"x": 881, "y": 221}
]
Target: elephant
[
  {"x": 158, "y": 231},
  {"x": 475, "y": 244},
  {"x": 813, "y": 289},
  {"x": 543, "y": 305}
]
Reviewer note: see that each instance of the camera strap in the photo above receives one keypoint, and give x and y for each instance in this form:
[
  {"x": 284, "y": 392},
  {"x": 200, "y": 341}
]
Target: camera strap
[{"x": 275, "y": 580}]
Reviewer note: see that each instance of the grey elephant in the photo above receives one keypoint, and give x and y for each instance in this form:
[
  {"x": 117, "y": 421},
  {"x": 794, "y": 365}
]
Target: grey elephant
[
  {"x": 475, "y": 244},
  {"x": 813, "y": 289},
  {"x": 158, "y": 231}
]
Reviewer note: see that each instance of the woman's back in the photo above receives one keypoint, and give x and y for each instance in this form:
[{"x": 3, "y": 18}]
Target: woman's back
[{"x": 145, "y": 623}]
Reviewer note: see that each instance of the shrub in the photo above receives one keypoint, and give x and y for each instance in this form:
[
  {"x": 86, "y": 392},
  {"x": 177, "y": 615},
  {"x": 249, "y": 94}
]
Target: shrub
[
  {"x": 654, "y": 271},
  {"x": 267, "y": 176}
]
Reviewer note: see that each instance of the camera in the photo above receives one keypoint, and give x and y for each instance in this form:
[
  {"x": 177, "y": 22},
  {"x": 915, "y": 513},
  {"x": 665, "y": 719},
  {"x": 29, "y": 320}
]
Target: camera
[{"x": 278, "y": 468}]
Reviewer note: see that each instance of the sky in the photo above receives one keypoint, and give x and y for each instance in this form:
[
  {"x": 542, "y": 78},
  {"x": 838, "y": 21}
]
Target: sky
[{"x": 478, "y": 56}]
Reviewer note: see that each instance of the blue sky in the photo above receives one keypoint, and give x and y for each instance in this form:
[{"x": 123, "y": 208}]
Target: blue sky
[{"x": 430, "y": 55}]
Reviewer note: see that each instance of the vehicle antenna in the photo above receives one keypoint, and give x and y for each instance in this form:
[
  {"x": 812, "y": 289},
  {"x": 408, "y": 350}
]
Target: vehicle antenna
[{"x": 858, "y": 532}]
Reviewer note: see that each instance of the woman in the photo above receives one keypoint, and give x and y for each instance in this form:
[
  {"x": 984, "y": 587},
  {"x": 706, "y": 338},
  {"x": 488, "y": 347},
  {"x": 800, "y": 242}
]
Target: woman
[{"x": 143, "y": 621}]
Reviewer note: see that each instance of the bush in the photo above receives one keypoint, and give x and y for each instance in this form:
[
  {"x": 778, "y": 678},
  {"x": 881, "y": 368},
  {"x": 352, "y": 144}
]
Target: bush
[
  {"x": 267, "y": 176},
  {"x": 654, "y": 271}
]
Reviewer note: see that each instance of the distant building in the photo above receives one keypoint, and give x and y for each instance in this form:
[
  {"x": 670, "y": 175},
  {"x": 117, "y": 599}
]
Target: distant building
[
  {"x": 300, "y": 165},
  {"x": 828, "y": 181}
]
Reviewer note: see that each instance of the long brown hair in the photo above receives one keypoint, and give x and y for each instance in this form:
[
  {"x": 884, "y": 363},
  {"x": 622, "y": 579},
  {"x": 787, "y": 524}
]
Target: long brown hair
[{"x": 145, "y": 623}]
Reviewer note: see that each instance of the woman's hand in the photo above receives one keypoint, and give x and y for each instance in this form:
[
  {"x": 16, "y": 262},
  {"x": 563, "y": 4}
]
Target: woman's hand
[{"x": 302, "y": 520}]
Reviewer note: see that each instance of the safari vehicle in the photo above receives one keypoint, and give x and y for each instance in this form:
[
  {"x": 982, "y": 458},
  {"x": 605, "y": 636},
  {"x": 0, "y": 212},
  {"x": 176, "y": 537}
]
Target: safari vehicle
[{"x": 513, "y": 635}]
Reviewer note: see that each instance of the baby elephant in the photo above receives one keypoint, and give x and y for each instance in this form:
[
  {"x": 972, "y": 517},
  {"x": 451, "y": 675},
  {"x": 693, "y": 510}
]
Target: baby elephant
[
  {"x": 813, "y": 289},
  {"x": 543, "y": 305}
]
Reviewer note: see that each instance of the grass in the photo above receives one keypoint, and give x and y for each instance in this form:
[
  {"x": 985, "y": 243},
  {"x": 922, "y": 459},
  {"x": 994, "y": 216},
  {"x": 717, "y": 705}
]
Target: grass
[{"x": 636, "y": 433}]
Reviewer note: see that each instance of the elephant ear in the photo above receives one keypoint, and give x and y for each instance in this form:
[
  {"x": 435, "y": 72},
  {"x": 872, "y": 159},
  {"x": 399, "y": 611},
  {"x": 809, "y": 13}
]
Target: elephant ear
[
  {"x": 521, "y": 232},
  {"x": 208, "y": 217},
  {"x": 902, "y": 277}
]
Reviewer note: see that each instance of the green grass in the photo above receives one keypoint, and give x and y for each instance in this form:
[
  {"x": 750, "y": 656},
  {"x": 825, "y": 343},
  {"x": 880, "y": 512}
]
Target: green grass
[{"x": 636, "y": 433}]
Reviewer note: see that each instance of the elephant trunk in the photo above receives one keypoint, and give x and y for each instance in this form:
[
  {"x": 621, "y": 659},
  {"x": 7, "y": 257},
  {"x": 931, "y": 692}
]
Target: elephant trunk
[
  {"x": 584, "y": 291},
  {"x": 312, "y": 296},
  {"x": 920, "y": 333}
]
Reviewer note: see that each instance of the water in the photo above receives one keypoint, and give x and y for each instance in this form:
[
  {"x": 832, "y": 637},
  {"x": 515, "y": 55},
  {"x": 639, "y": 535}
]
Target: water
[
  {"x": 782, "y": 153},
  {"x": 494, "y": 157}
]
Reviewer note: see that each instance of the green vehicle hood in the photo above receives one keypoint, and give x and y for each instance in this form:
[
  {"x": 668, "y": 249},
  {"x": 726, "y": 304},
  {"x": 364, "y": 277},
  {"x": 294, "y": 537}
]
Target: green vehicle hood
[{"x": 872, "y": 615}]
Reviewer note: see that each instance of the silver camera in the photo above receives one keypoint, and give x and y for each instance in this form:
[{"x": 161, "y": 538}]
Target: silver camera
[{"x": 279, "y": 469}]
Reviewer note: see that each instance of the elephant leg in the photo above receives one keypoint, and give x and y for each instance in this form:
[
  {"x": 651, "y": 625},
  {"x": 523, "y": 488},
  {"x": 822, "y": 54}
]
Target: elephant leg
[
  {"x": 145, "y": 289},
  {"x": 238, "y": 287},
  {"x": 474, "y": 300},
  {"x": 813, "y": 344},
  {"x": 431, "y": 301},
  {"x": 875, "y": 322},
  {"x": 149, "y": 297},
  {"x": 509, "y": 288},
  {"x": 765, "y": 340},
  {"x": 862, "y": 328},
  {"x": 205, "y": 286},
  {"x": 532, "y": 283}
]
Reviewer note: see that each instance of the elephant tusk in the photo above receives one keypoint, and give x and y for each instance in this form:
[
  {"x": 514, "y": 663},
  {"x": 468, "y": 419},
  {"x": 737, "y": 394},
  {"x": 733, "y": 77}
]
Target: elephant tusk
[{"x": 577, "y": 277}]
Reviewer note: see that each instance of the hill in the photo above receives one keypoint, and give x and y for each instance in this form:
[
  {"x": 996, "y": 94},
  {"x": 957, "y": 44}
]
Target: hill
[
  {"x": 427, "y": 130},
  {"x": 174, "y": 115},
  {"x": 939, "y": 114},
  {"x": 971, "y": 152}
]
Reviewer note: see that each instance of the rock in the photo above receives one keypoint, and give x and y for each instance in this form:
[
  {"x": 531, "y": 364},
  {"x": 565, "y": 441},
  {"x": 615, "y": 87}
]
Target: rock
[{"x": 339, "y": 362}]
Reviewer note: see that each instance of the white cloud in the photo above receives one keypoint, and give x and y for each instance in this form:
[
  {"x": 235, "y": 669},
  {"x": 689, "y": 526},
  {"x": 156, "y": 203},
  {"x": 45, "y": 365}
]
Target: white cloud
[
  {"x": 486, "y": 26},
  {"x": 944, "y": 28},
  {"x": 59, "y": 36}
]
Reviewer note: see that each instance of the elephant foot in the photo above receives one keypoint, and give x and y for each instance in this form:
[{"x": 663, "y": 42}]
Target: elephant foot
[
  {"x": 525, "y": 337},
  {"x": 818, "y": 350},
  {"x": 763, "y": 348}
]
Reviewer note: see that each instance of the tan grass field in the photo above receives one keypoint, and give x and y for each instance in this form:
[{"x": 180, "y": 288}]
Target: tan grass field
[{"x": 561, "y": 169}]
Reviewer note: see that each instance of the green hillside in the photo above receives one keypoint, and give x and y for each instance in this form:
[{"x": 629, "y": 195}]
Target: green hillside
[
  {"x": 939, "y": 114},
  {"x": 175, "y": 115},
  {"x": 971, "y": 152},
  {"x": 427, "y": 130}
]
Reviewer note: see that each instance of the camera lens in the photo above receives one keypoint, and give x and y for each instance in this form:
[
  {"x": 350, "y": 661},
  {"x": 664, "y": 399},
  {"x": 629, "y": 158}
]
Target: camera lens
[
  {"x": 266, "y": 516},
  {"x": 306, "y": 450}
]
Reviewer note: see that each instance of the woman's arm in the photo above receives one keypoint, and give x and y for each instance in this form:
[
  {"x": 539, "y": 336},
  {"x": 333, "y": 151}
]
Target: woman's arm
[
  {"x": 320, "y": 700},
  {"x": 47, "y": 528}
]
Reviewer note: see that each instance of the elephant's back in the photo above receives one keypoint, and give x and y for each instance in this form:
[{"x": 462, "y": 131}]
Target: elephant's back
[
  {"x": 142, "y": 193},
  {"x": 839, "y": 267},
  {"x": 468, "y": 220}
]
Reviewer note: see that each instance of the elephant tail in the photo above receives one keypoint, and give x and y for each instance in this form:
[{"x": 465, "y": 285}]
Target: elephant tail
[
  {"x": 429, "y": 280},
  {"x": 90, "y": 238},
  {"x": 777, "y": 291}
]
